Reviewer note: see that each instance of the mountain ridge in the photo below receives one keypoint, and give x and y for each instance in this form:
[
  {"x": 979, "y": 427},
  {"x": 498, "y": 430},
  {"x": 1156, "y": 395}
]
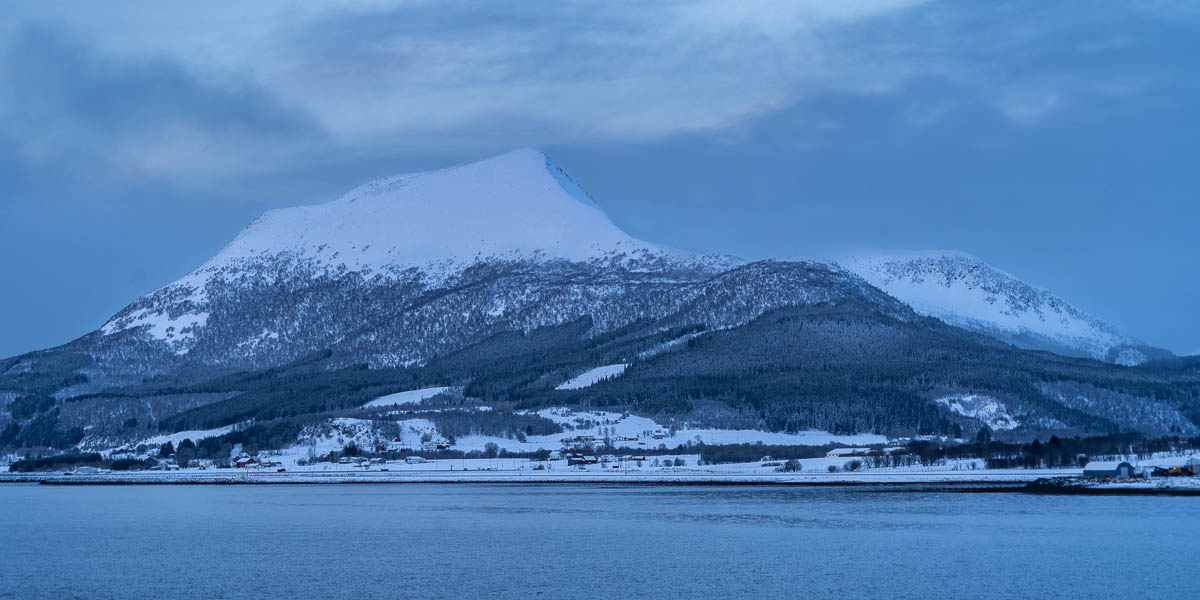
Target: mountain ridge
[{"x": 965, "y": 291}]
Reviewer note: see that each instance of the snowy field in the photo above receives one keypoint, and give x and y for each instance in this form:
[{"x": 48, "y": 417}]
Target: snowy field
[{"x": 633, "y": 432}]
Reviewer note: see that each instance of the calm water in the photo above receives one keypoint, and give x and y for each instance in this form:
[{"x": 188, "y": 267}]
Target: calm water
[{"x": 446, "y": 541}]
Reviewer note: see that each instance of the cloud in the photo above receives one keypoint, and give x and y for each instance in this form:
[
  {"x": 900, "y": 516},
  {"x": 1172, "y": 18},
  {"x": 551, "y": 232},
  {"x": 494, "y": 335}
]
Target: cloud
[
  {"x": 66, "y": 102},
  {"x": 629, "y": 72},
  {"x": 246, "y": 88}
]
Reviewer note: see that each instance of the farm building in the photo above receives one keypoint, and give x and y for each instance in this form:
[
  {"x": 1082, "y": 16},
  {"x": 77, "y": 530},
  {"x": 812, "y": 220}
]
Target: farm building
[
  {"x": 579, "y": 459},
  {"x": 1173, "y": 465},
  {"x": 1108, "y": 469}
]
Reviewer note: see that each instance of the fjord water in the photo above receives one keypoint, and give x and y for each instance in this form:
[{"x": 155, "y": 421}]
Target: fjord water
[{"x": 485, "y": 541}]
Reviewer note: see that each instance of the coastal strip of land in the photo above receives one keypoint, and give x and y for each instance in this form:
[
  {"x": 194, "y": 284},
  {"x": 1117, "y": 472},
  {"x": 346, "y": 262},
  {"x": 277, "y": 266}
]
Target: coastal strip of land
[{"x": 1055, "y": 482}]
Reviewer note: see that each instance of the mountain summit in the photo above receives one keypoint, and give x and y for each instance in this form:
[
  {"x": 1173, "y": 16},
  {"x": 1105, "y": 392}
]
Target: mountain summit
[{"x": 519, "y": 205}]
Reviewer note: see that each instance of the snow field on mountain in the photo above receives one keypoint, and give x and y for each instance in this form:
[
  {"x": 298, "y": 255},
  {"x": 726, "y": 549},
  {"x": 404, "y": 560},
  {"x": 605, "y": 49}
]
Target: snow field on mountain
[
  {"x": 175, "y": 438},
  {"x": 178, "y": 332},
  {"x": 409, "y": 397},
  {"x": 985, "y": 409},
  {"x": 665, "y": 346},
  {"x": 592, "y": 377},
  {"x": 964, "y": 291},
  {"x": 515, "y": 205}
]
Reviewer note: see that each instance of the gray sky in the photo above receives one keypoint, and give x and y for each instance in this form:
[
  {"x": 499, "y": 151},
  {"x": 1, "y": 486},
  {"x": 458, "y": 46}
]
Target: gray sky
[{"x": 1057, "y": 141}]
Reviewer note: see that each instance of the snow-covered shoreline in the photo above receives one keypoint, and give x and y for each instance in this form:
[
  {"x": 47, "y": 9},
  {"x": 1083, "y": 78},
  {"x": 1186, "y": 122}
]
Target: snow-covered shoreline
[
  {"x": 1012, "y": 481},
  {"x": 1014, "y": 476}
]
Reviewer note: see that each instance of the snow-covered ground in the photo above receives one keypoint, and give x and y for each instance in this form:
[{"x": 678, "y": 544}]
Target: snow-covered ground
[
  {"x": 153, "y": 442},
  {"x": 592, "y": 377},
  {"x": 523, "y": 470},
  {"x": 962, "y": 290},
  {"x": 633, "y": 432},
  {"x": 580, "y": 428},
  {"x": 983, "y": 408},
  {"x": 1154, "y": 483},
  {"x": 194, "y": 435},
  {"x": 663, "y": 347},
  {"x": 516, "y": 205},
  {"x": 319, "y": 441},
  {"x": 177, "y": 331},
  {"x": 632, "y": 436},
  {"x": 409, "y": 397}
]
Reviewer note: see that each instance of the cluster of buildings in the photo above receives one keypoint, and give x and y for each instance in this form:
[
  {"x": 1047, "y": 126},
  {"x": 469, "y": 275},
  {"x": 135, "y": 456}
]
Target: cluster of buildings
[
  {"x": 1174, "y": 466},
  {"x": 245, "y": 461},
  {"x": 862, "y": 452},
  {"x": 579, "y": 459},
  {"x": 593, "y": 440}
]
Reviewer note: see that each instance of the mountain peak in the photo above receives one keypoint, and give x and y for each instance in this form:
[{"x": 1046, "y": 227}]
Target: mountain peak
[{"x": 519, "y": 204}]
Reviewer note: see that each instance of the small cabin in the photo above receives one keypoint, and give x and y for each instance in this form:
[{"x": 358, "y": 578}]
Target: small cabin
[{"x": 1121, "y": 469}]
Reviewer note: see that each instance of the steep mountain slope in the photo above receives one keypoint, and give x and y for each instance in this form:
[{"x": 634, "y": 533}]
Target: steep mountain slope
[
  {"x": 964, "y": 291},
  {"x": 846, "y": 367}
]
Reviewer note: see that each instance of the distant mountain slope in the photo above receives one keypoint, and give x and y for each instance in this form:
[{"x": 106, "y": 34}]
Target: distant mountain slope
[{"x": 964, "y": 291}]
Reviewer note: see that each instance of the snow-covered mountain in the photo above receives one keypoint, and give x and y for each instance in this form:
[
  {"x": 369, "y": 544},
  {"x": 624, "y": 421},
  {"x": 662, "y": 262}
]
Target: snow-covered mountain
[
  {"x": 420, "y": 230},
  {"x": 516, "y": 206},
  {"x": 414, "y": 266},
  {"x": 505, "y": 278},
  {"x": 964, "y": 291}
]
